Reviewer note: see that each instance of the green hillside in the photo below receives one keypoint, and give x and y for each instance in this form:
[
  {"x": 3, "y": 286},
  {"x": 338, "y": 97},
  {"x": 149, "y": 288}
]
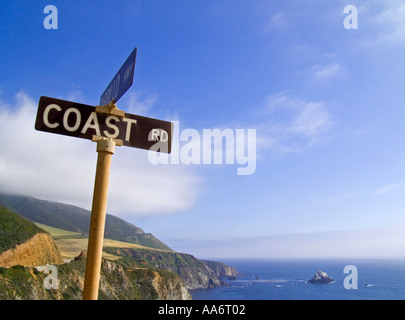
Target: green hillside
[
  {"x": 75, "y": 219},
  {"x": 14, "y": 229}
]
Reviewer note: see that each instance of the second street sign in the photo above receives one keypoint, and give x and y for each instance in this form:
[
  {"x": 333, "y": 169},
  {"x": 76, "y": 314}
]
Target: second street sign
[
  {"x": 121, "y": 82},
  {"x": 82, "y": 121}
]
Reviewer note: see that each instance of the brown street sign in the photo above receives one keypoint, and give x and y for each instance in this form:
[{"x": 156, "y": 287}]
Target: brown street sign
[{"x": 82, "y": 121}]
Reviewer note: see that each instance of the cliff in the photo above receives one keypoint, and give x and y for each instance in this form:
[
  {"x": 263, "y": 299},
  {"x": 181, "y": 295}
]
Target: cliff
[
  {"x": 23, "y": 243},
  {"x": 221, "y": 269},
  {"x": 39, "y": 250},
  {"x": 195, "y": 273},
  {"x": 26, "y": 249},
  {"x": 116, "y": 282}
]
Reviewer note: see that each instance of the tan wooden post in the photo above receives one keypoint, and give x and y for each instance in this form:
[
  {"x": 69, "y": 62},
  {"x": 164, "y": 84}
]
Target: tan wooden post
[{"x": 105, "y": 149}]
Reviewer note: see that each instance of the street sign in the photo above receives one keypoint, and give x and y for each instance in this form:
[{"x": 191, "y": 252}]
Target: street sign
[
  {"x": 108, "y": 126},
  {"x": 121, "y": 82},
  {"x": 82, "y": 121}
]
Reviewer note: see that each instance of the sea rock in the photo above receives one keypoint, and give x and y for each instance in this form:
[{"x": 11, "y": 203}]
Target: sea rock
[{"x": 321, "y": 277}]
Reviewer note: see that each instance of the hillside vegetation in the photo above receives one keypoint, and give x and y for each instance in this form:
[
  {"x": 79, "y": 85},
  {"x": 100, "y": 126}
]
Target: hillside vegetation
[
  {"x": 70, "y": 244},
  {"x": 15, "y": 229},
  {"x": 75, "y": 219}
]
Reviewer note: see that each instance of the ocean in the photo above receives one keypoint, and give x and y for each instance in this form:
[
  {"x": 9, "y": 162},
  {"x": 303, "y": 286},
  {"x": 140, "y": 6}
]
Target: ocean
[{"x": 287, "y": 280}]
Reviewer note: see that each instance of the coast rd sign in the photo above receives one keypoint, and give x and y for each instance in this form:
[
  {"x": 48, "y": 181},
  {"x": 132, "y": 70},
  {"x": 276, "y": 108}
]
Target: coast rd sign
[{"x": 82, "y": 121}]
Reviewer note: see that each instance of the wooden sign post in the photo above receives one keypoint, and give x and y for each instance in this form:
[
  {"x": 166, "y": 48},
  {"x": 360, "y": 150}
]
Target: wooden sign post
[{"x": 105, "y": 149}]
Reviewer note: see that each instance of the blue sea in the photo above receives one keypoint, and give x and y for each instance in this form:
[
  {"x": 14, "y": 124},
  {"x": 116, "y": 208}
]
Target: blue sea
[{"x": 287, "y": 280}]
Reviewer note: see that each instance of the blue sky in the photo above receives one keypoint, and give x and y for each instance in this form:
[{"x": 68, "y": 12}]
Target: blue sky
[{"x": 327, "y": 105}]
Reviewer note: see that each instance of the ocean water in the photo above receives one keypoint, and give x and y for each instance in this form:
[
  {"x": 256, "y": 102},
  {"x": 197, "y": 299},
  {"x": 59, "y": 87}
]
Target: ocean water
[{"x": 287, "y": 280}]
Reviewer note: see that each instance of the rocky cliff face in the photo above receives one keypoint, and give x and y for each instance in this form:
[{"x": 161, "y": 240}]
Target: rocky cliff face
[
  {"x": 38, "y": 250},
  {"x": 116, "y": 282},
  {"x": 196, "y": 274},
  {"x": 221, "y": 269},
  {"x": 169, "y": 287}
]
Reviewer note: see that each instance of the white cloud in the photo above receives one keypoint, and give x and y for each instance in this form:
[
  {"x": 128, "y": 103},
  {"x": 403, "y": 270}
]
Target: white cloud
[
  {"x": 293, "y": 123},
  {"x": 60, "y": 168},
  {"x": 394, "y": 20},
  {"x": 388, "y": 189},
  {"x": 75, "y": 95},
  {"x": 385, "y": 19},
  {"x": 326, "y": 72},
  {"x": 137, "y": 105}
]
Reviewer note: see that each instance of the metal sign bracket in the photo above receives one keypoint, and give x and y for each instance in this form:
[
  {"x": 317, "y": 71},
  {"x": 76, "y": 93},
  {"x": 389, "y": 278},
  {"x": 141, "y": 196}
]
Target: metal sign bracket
[
  {"x": 110, "y": 108},
  {"x": 118, "y": 142}
]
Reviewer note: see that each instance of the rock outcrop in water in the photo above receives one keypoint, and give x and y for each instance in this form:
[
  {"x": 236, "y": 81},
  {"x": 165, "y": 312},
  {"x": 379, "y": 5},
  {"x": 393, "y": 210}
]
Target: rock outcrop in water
[{"x": 321, "y": 277}]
